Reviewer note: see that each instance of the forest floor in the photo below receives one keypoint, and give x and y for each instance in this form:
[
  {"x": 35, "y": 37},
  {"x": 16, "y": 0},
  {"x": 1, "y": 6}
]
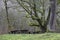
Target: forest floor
[{"x": 45, "y": 36}]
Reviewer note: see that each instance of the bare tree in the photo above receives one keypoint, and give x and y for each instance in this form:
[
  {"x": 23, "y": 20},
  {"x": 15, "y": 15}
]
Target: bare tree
[
  {"x": 5, "y": 2},
  {"x": 33, "y": 12}
]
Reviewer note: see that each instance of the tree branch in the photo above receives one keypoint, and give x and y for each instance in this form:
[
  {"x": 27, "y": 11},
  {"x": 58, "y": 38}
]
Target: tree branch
[
  {"x": 48, "y": 17},
  {"x": 23, "y": 7}
]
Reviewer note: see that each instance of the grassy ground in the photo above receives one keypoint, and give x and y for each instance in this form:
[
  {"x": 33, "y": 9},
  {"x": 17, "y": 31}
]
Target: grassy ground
[{"x": 46, "y": 36}]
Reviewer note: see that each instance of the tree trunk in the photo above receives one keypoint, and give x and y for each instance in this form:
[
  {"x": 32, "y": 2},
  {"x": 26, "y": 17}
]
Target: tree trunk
[
  {"x": 52, "y": 21},
  {"x": 43, "y": 29}
]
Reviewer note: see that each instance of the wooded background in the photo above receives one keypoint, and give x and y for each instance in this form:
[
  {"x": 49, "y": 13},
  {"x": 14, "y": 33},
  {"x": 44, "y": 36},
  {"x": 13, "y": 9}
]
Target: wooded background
[{"x": 32, "y": 15}]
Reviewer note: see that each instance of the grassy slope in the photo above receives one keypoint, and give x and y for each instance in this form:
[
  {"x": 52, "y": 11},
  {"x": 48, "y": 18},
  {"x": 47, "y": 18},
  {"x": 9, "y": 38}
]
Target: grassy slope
[{"x": 46, "y": 36}]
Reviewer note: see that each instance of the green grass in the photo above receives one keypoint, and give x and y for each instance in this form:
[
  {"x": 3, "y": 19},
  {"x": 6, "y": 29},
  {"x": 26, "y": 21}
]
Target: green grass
[{"x": 46, "y": 36}]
